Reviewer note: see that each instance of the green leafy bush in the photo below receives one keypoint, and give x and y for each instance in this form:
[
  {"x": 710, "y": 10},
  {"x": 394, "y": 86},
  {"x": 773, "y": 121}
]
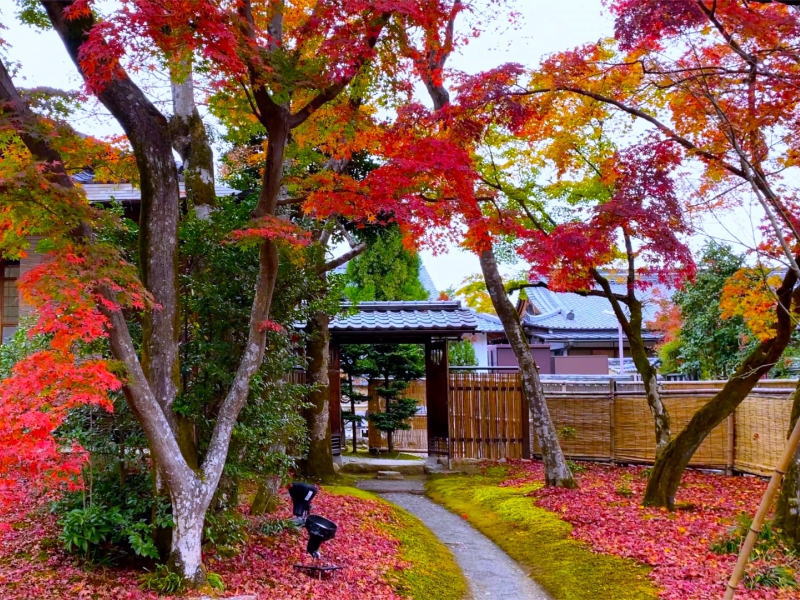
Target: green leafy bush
[
  {"x": 226, "y": 531},
  {"x": 768, "y": 539},
  {"x": 778, "y": 577},
  {"x": 95, "y": 531},
  {"x": 277, "y": 526},
  {"x": 163, "y": 580}
]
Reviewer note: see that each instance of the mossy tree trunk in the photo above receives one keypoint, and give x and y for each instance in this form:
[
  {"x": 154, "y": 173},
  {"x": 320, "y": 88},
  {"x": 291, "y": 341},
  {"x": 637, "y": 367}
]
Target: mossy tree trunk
[
  {"x": 319, "y": 462},
  {"x": 787, "y": 512},
  {"x": 670, "y": 465}
]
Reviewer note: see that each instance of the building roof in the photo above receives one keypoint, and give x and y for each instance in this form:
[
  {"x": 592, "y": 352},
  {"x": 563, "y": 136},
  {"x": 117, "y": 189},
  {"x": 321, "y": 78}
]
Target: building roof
[
  {"x": 405, "y": 317},
  {"x": 595, "y": 335},
  {"x": 427, "y": 282},
  {"x": 567, "y": 311},
  {"x": 488, "y": 323},
  {"x": 126, "y": 192}
]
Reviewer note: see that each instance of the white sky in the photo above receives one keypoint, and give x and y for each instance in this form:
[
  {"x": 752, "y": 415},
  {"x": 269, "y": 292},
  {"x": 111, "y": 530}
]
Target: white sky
[{"x": 543, "y": 27}]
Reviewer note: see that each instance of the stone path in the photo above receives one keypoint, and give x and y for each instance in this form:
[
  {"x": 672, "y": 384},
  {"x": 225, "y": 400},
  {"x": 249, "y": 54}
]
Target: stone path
[{"x": 491, "y": 574}]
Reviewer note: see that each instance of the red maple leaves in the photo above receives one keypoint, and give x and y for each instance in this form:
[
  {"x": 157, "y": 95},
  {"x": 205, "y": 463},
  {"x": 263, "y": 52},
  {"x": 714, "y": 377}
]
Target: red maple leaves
[
  {"x": 31, "y": 568},
  {"x": 606, "y": 513}
]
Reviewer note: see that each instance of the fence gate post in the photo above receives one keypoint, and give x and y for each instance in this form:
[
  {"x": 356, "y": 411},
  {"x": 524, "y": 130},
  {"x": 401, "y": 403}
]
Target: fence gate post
[
  {"x": 731, "y": 449},
  {"x": 526, "y": 421},
  {"x": 612, "y": 401}
]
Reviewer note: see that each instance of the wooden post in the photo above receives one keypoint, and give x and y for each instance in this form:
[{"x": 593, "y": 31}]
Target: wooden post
[
  {"x": 612, "y": 415},
  {"x": 437, "y": 397},
  {"x": 526, "y": 424},
  {"x": 766, "y": 501},
  {"x": 730, "y": 458},
  {"x": 335, "y": 421},
  {"x": 373, "y": 407}
]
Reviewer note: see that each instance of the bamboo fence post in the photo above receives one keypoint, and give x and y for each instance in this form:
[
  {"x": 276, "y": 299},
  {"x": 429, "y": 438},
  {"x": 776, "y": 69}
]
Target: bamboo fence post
[
  {"x": 612, "y": 415},
  {"x": 766, "y": 501},
  {"x": 730, "y": 451}
]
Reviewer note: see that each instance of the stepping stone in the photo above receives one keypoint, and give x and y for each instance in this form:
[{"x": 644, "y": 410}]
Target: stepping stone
[{"x": 389, "y": 475}]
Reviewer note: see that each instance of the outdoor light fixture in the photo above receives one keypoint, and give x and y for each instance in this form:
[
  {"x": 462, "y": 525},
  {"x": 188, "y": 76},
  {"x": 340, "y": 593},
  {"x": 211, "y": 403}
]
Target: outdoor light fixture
[
  {"x": 320, "y": 530},
  {"x": 301, "y": 495}
]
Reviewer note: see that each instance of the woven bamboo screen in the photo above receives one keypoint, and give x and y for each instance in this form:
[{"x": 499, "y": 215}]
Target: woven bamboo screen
[
  {"x": 583, "y": 423},
  {"x": 594, "y": 423},
  {"x": 634, "y": 434},
  {"x": 762, "y": 424},
  {"x": 485, "y": 415}
]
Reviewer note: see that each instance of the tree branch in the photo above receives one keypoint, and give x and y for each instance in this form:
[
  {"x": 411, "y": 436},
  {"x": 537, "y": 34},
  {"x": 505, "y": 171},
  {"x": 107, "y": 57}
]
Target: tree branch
[{"x": 344, "y": 258}]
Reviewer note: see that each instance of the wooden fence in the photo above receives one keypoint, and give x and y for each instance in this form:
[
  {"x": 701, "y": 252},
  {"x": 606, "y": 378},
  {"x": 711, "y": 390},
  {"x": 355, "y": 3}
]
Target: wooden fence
[{"x": 606, "y": 421}]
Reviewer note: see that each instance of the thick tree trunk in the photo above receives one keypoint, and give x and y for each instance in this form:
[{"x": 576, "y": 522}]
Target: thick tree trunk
[
  {"x": 557, "y": 472},
  {"x": 267, "y": 497},
  {"x": 669, "y": 467},
  {"x": 319, "y": 462},
  {"x": 787, "y": 512},
  {"x": 188, "y": 516}
]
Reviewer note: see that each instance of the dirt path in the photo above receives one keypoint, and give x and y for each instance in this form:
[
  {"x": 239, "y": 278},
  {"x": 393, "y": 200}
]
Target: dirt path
[{"x": 491, "y": 574}]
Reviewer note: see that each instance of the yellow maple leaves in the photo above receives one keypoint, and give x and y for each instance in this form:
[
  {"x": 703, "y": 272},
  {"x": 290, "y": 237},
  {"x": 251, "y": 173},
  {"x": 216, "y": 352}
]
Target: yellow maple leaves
[{"x": 750, "y": 293}]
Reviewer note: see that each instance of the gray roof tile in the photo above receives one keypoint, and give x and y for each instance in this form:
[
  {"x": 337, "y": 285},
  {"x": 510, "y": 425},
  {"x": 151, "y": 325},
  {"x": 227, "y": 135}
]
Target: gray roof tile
[
  {"x": 406, "y": 316},
  {"x": 587, "y": 312}
]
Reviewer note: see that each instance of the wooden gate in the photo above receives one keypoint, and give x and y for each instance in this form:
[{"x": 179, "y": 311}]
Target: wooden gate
[{"x": 486, "y": 415}]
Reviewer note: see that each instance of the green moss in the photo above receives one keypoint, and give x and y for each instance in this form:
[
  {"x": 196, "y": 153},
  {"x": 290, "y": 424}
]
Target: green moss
[
  {"x": 432, "y": 572},
  {"x": 539, "y": 541}
]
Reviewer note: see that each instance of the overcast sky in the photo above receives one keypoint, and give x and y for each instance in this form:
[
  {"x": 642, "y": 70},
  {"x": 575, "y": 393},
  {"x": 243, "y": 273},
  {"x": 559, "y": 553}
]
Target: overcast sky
[{"x": 543, "y": 27}]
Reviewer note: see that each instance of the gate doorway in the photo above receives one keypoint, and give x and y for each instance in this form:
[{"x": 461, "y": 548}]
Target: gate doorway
[{"x": 430, "y": 324}]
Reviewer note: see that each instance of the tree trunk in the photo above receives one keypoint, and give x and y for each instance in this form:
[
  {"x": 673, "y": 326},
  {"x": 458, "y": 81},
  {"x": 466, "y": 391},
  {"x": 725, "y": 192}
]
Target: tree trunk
[
  {"x": 319, "y": 462},
  {"x": 632, "y": 326},
  {"x": 787, "y": 512},
  {"x": 557, "y": 472},
  {"x": 669, "y": 467},
  {"x": 267, "y": 497},
  {"x": 188, "y": 516}
]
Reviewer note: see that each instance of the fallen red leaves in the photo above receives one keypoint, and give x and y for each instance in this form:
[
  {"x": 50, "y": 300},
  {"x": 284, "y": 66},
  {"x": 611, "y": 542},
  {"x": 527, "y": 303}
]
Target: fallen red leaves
[
  {"x": 606, "y": 514},
  {"x": 33, "y": 566}
]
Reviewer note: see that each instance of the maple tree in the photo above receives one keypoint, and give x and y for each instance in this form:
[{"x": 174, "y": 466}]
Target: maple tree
[
  {"x": 429, "y": 179},
  {"x": 291, "y": 60},
  {"x": 724, "y": 95}
]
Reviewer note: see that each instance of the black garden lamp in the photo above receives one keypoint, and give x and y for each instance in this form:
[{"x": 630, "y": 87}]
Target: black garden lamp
[
  {"x": 301, "y": 495},
  {"x": 320, "y": 530}
]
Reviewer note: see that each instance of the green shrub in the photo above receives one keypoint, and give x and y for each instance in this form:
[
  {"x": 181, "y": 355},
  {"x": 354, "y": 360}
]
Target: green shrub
[
  {"x": 163, "y": 581},
  {"x": 768, "y": 539},
  {"x": 225, "y": 531},
  {"x": 214, "y": 581},
  {"x": 777, "y": 577},
  {"x": 576, "y": 467},
  {"x": 277, "y": 526},
  {"x": 95, "y": 531},
  {"x": 624, "y": 487}
]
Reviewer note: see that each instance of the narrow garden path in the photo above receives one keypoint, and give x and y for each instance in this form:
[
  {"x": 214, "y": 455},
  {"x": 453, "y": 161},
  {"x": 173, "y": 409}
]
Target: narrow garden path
[{"x": 491, "y": 574}]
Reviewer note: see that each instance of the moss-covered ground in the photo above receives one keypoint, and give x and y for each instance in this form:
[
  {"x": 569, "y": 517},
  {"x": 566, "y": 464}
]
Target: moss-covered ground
[
  {"x": 432, "y": 572},
  {"x": 539, "y": 540}
]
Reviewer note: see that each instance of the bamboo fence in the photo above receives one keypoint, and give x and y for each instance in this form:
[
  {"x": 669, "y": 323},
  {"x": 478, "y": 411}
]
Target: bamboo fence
[{"x": 606, "y": 421}]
